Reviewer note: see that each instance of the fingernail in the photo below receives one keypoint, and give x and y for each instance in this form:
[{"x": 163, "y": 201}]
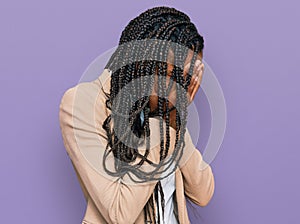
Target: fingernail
[
  {"x": 196, "y": 79},
  {"x": 197, "y": 63},
  {"x": 187, "y": 65}
]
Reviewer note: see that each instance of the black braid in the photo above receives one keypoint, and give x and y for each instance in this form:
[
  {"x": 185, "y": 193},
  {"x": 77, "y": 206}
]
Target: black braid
[{"x": 162, "y": 23}]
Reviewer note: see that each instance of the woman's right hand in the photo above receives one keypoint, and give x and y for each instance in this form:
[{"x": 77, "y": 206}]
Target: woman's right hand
[{"x": 195, "y": 80}]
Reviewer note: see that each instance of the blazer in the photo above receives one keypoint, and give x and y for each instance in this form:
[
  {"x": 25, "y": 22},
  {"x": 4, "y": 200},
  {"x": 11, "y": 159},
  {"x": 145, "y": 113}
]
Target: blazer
[{"x": 112, "y": 200}]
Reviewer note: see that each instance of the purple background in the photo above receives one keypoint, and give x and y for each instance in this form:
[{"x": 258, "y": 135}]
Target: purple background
[{"x": 253, "y": 48}]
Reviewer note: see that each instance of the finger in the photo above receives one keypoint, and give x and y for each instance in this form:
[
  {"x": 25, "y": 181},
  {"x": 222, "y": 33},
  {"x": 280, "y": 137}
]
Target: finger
[
  {"x": 198, "y": 63},
  {"x": 195, "y": 91},
  {"x": 191, "y": 88},
  {"x": 200, "y": 73},
  {"x": 186, "y": 70},
  {"x": 197, "y": 69},
  {"x": 192, "y": 82},
  {"x": 197, "y": 81}
]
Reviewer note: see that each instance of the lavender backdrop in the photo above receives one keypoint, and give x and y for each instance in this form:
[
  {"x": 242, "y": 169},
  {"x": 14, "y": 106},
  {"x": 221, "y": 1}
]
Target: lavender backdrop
[{"x": 253, "y": 48}]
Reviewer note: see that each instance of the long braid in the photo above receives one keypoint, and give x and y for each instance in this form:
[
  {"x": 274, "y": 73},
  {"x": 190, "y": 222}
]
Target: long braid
[{"x": 161, "y": 23}]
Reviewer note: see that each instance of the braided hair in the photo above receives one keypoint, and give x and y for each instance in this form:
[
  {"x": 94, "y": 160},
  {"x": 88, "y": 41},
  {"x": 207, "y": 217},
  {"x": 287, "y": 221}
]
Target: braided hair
[{"x": 129, "y": 63}]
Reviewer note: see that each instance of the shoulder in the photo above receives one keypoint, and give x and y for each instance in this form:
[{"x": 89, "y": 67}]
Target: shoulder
[
  {"x": 87, "y": 89},
  {"x": 68, "y": 95}
]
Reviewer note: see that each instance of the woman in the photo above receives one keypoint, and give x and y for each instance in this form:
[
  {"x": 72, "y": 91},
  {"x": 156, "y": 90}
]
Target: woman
[{"x": 125, "y": 132}]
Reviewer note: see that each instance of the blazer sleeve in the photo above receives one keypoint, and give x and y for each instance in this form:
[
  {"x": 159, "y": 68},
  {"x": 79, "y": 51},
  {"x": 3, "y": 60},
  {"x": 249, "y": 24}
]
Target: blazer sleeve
[
  {"x": 116, "y": 201},
  {"x": 198, "y": 179}
]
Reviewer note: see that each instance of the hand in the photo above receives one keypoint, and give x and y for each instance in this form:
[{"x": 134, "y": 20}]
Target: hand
[
  {"x": 193, "y": 87},
  {"x": 195, "y": 80}
]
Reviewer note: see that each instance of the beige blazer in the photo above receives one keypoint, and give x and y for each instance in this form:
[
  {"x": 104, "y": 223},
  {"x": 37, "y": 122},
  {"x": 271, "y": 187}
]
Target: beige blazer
[{"x": 111, "y": 200}]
